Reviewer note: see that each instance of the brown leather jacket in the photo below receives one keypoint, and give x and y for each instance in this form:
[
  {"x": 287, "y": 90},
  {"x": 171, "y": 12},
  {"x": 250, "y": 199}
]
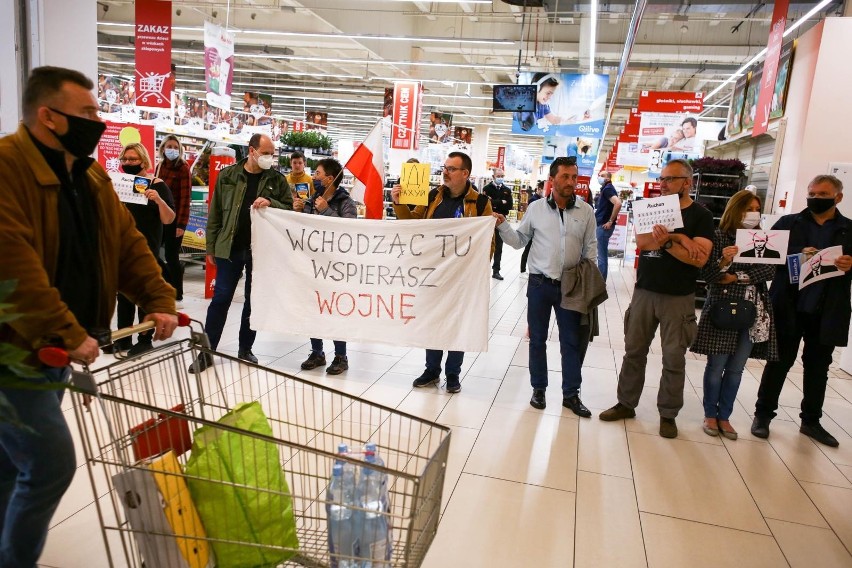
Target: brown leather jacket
[{"x": 29, "y": 245}]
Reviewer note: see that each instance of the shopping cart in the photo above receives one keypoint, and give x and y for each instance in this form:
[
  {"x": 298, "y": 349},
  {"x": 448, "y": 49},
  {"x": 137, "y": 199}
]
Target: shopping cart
[{"x": 151, "y": 403}]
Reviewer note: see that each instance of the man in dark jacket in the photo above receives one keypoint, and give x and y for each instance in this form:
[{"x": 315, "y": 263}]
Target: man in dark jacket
[
  {"x": 250, "y": 183},
  {"x": 501, "y": 202},
  {"x": 818, "y": 314}
]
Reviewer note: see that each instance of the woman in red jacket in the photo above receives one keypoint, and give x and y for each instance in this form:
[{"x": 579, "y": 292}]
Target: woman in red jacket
[{"x": 174, "y": 171}]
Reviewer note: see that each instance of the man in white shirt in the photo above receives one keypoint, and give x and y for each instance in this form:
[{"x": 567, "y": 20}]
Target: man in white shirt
[{"x": 562, "y": 231}]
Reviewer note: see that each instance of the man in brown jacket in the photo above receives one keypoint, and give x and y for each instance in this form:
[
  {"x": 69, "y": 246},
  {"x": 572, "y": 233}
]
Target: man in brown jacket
[
  {"x": 456, "y": 198},
  {"x": 71, "y": 246}
]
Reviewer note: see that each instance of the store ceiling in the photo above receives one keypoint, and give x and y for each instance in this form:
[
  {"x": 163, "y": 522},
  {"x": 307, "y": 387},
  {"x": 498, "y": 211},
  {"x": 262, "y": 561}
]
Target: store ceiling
[{"x": 326, "y": 55}]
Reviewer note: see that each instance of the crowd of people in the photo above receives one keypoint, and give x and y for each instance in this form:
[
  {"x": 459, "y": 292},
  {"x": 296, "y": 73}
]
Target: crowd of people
[{"x": 76, "y": 251}]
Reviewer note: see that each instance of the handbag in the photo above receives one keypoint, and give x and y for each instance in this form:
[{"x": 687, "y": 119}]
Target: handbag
[{"x": 733, "y": 314}]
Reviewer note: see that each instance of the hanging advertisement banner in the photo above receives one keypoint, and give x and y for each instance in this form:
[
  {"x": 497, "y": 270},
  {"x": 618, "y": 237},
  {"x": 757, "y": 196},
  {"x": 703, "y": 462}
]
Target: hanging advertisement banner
[
  {"x": 218, "y": 64},
  {"x": 735, "y": 113},
  {"x": 583, "y": 189},
  {"x": 753, "y": 90},
  {"x": 439, "y": 127},
  {"x": 153, "y": 53},
  {"x": 405, "y": 104},
  {"x": 418, "y": 116},
  {"x": 770, "y": 67},
  {"x": 118, "y": 135},
  {"x": 782, "y": 82},
  {"x": 671, "y": 101},
  {"x": 316, "y": 120},
  {"x": 259, "y": 106},
  {"x": 580, "y": 147},
  {"x": 501, "y": 157},
  {"x": 566, "y": 105}
]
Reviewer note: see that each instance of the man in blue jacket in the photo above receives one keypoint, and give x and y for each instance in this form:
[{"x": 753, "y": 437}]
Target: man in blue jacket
[{"x": 818, "y": 314}]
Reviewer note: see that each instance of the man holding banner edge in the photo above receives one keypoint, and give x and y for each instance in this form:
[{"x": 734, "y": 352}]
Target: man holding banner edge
[{"x": 456, "y": 198}]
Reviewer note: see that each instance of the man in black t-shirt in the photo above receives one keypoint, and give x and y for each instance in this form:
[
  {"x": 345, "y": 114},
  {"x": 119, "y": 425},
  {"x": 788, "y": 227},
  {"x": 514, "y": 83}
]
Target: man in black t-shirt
[{"x": 664, "y": 296}]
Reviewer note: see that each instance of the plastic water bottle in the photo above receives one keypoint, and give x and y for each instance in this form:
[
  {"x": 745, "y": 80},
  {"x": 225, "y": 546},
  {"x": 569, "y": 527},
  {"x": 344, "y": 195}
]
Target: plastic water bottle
[
  {"x": 341, "y": 520},
  {"x": 371, "y": 455},
  {"x": 350, "y": 471},
  {"x": 374, "y": 542}
]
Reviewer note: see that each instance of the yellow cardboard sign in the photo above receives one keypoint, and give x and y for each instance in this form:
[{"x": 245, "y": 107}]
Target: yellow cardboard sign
[{"x": 415, "y": 184}]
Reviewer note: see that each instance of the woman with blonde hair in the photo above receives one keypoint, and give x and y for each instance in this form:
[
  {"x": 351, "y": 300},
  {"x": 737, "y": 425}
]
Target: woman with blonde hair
[
  {"x": 150, "y": 219},
  {"x": 174, "y": 171},
  {"x": 728, "y": 350}
]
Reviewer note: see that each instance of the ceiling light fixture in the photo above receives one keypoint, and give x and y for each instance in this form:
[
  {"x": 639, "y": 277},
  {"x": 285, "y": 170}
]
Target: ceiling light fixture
[{"x": 787, "y": 32}]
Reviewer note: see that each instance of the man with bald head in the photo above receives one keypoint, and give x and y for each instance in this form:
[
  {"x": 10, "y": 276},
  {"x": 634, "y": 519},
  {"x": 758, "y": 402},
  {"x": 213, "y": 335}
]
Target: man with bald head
[
  {"x": 249, "y": 184},
  {"x": 501, "y": 202}
]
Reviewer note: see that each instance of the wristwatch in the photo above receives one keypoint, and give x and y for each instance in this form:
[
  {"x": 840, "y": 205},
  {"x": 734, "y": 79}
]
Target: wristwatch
[{"x": 668, "y": 244}]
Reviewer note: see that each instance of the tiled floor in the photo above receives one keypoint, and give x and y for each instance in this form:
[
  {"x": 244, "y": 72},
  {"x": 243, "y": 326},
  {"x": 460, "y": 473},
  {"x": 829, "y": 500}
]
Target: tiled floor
[{"x": 543, "y": 488}]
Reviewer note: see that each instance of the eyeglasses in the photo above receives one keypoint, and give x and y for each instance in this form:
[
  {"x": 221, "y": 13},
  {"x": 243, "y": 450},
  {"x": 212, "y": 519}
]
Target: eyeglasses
[
  {"x": 451, "y": 169},
  {"x": 669, "y": 179}
]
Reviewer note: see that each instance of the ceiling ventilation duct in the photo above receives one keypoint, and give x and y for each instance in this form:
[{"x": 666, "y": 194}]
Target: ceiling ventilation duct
[{"x": 526, "y": 3}]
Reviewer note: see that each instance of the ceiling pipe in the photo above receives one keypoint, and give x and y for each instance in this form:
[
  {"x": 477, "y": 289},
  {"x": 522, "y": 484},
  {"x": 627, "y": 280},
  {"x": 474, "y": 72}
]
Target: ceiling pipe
[{"x": 635, "y": 20}]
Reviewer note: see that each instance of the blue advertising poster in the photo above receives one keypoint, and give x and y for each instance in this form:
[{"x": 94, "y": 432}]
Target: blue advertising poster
[
  {"x": 584, "y": 148},
  {"x": 566, "y": 105}
]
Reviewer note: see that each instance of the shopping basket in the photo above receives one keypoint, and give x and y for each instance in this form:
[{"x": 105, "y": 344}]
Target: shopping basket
[{"x": 146, "y": 406}]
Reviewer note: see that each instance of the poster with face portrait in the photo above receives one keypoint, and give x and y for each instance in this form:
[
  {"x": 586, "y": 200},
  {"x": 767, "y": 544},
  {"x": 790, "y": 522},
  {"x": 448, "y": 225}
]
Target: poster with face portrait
[
  {"x": 259, "y": 105},
  {"x": 782, "y": 80},
  {"x": 762, "y": 246},
  {"x": 820, "y": 266},
  {"x": 440, "y": 127},
  {"x": 735, "y": 112},
  {"x": 316, "y": 120},
  {"x": 463, "y": 135},
  {"x": 566, "y": 105}
]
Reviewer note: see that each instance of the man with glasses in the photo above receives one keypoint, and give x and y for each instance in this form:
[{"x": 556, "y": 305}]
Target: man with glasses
[
  {"x": 455, "y": 199},
  {"x": 249, "y": 184},
  {"x": 664, "y": 296},
  {"x": 562, "y": 231}
]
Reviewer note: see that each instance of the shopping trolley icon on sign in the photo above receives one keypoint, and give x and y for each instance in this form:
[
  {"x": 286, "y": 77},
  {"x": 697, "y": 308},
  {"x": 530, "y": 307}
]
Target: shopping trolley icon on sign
[{"x": 151, "y": 85}]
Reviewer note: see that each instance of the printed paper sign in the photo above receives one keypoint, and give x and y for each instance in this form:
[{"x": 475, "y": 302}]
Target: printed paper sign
[
  {"x": 657, "y": 211},
  {"x": 153, "y": 45},
  {"x": 618, "y": 240},
  {"x": 414, "y": 182},
  {"x": 820, "y": 266},
  {"x": 762, "y": 247},
  {"x": 417, "y": 283},
  {"x": 130, "y": 188}
]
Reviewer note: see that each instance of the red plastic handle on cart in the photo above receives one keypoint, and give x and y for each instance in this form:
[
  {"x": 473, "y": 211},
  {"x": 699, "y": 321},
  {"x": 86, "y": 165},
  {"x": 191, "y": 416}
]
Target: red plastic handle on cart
[{"x": 58, "y": 356}]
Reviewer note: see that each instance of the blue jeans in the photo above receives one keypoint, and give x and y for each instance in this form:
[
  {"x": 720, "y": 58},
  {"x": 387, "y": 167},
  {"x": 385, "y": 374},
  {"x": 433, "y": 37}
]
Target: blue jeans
[
  {"x": 722, "y": 378},
  {"x": 542, "y": 297},
  {"x": 228, "y": 274},
  {"x": 603, "y": 248},
  {"x": 339, "y": 347},
  {"x": 454, "y": 362},
  {"x": 36, "y": 467}
]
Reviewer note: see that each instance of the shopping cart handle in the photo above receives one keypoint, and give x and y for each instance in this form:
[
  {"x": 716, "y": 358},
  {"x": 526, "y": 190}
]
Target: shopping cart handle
[{"x": 58, "y": 356}]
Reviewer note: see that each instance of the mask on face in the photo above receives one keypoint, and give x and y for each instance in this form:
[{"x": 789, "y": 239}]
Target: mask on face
[
  {"x": 132, "y": 169},
  {"x": 172, "y": 154},
  {"x": 751, "y": 220},
  {"x": 319, "y": 188},
  {"x": 83, "y": 135},
  {"x": 602, "y": 181},
  {"x": 819, "y": 205},
  {"x": 265, "y": 162},
  {"x": 498, "y": 181}
]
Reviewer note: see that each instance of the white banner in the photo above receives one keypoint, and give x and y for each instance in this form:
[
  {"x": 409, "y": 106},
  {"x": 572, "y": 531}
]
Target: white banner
[{"x": 416, "y": 283}]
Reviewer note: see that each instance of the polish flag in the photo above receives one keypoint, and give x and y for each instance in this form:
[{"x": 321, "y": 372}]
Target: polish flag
[{"x": 367, "y": 164}]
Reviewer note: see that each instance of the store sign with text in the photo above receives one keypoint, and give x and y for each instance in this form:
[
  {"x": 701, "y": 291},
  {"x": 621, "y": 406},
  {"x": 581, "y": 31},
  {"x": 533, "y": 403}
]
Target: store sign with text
[
  {"x": 153, "y": 40},
  {"x": 501, "y": 157},
  {"x": 405, "y": 109},
  {"x": 770, "y": 67},
  {"x": 218, "y": 64},
  {"x": 118, "y": 135}
]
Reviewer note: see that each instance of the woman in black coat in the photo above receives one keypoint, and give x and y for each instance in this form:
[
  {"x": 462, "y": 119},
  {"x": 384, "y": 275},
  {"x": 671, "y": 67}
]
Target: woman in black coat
[{"x": 728, "y": 350}]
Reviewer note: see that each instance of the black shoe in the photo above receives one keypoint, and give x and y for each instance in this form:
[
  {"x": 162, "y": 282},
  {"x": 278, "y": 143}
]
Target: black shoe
[
  {"x": 139, "y": 348},
  {"x": 338, "y": 365},
  {"x": 204, "y": 361},
  {"x": 426, "y": 379},
  {"x": 247, "y": 355},
  {"x": 760, "y": 427},
  {"x": 576, "y": 406},
  {"x": 313, "y": 361},
  {"x": 817, "y": 432},
  {"x": 668, "y": 427},
  {"x": 496, "y": 275},
  {"x": 538, "y": 400},
  {"x": 453, "y": 384}
]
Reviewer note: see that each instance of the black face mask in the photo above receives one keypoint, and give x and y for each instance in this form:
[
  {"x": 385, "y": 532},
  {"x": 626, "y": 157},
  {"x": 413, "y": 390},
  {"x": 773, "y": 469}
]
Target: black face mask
[
  {"x": 817, "y": 205},
  {"x": 83, "y": 134},
  {"x": 132, "y": 169}
]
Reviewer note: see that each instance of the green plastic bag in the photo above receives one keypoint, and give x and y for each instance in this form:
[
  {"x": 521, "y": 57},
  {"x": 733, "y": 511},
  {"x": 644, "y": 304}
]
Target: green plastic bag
[{"x": 240, "y": 491}]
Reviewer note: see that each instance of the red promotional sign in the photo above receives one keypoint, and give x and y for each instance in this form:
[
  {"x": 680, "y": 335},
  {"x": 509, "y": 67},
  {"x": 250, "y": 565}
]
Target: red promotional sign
[
  {"x": 670, "y": 101},
  {"x": 581, "y": 189},
  {"x": 405, "y": 105},
  {"x": 117, "y": 136},
  {"x": 298, "y": 126},
  {"x": 217, "y": 164},
  {"x": 651, "y": 189},
  {"x": 770, "y": 67},
  {"x": 153, "y": 53},
  {"x": 501, "y": 156}
]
